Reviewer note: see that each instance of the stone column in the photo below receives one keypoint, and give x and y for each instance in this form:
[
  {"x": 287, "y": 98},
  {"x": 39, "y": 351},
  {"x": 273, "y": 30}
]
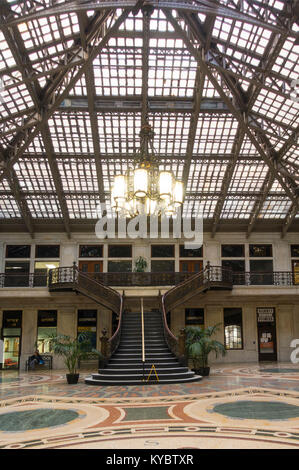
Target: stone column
[
  {"x": 212, "y": 253},
  {"x": 29, "y": 335},
  {"x": 213, "y": 316},
  {"x": 69, "y": 254},
  {"x": 104, "y": 321},
  {"x": 285, "y": 331},
  {"x": 250, "y": 338},
  {"x": 177, "y": 320},
  {"x": 2, "y": 256},
  {"x": 66, "y": 325}
]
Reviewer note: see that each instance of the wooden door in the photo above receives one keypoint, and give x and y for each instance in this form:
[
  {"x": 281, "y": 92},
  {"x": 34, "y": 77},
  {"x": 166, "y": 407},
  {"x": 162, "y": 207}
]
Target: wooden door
[
  {"x": 267, "y": 342},
  {"x": 190, "y": 266},
  {"x": 91, "y": 266}
]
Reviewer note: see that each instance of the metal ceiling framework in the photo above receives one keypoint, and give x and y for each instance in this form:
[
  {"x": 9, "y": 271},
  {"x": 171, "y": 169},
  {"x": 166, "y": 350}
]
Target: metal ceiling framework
[{"x": 216, "y": 80}]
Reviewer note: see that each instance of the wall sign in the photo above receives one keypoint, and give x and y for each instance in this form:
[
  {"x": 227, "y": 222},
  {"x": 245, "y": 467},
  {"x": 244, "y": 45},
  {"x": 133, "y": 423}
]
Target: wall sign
[{"x": 265, "y": 314}]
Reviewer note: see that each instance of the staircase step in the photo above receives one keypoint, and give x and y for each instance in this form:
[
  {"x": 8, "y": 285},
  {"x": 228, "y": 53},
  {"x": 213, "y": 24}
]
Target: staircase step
[
  {"x": 91, "y": 381},
  {"x": 147, "y": 369}
]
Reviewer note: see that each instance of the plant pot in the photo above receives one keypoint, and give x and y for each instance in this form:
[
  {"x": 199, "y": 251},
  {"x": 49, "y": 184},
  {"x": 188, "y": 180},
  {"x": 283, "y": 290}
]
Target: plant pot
[
  {"x": 204, "y": 371},
  {"x": 72, "y": 378}
]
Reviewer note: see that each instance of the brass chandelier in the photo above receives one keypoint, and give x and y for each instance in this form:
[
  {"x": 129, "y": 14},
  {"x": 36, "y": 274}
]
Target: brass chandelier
[{"x": 145, "y": 189}]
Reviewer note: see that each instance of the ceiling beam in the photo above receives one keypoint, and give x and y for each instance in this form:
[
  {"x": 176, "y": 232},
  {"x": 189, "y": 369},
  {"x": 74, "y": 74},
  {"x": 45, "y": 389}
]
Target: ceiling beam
[
  {"x": 20, "y": 198},
  {"x": 205, "y": 7},
  {"x": 53, "y": 101},
  {"x": 50, "y": 153},
  {"x": 91, "y": 98},
  {"x": 288, "y": 221},
  {"x": 227, "y": 179},
  {"x": 241, "y": 117}
]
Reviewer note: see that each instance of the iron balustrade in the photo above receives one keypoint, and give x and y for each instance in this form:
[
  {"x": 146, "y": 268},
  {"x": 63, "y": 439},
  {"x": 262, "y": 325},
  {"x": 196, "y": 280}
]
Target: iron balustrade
[
  {"x": 211, "y": 276},
  {"x": 127, "y": 279}
]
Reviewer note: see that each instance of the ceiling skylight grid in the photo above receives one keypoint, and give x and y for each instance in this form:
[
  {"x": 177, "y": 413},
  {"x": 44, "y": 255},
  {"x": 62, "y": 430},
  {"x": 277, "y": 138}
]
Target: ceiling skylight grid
[
  {"x": 83, "y": 207},
  {"x": 9, "y": 208},
  {"x": 237, "y": 208},
  {"x": 215, "y": 134},
  {"x": 206, "y": 176},
  {"x": 78, "y": 174},
  {"x": 172, "y": 70},
  {"x": 119, "y": 132},
  {"x": 171, "y": 133},
  {"x": 44, "y": 207},
  {"x": 275, "y": 208},
  {"x": 118, "y": 69},
  {"x": 205, "y": 207},
  {"x": 34, "y": 174},
  {"x": 71, "y": 133},
  {"x": 248, "y": 177}
]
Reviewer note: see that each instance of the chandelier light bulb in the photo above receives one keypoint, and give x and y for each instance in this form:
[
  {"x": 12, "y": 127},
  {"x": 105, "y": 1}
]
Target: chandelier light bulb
[
  {"x": 140, "y": 182},
  {"x": 178, "y": 194},
  {"x": 166, "y": 184}
]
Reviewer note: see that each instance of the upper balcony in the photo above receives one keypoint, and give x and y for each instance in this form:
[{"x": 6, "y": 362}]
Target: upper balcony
[{"x": 148, "y": 279}]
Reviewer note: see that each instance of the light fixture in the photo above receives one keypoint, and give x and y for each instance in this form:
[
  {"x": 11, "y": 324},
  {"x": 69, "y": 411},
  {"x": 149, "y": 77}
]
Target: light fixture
[{"x": 145, "y": 189}]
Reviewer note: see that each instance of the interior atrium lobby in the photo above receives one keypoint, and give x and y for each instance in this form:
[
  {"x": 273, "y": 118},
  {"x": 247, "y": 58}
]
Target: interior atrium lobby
[{"x": 149, "y": 225}]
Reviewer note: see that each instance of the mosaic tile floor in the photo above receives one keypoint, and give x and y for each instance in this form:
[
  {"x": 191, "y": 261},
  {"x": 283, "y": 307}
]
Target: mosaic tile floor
[{"x": 238, "y": 407}]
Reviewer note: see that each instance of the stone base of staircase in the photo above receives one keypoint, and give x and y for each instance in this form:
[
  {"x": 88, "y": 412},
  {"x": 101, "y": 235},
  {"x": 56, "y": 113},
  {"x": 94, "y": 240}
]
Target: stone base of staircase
[{"x": 125, "y": 367}]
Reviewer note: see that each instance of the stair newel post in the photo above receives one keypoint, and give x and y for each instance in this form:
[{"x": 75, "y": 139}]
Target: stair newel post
[
  {"x": 182, "y": 356},
  {"x": 105, "y": 346},
  {"x": 142, "y": 332}
]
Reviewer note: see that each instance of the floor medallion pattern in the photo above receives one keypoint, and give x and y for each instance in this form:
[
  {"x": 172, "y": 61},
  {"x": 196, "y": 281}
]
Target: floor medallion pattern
[{"x": 238, "y": 407}]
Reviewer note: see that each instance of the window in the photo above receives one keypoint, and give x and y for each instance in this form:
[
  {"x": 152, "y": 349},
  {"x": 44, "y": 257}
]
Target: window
[
  {"x": 47, "y": 251},
  {"x": 11, "y": 333},
  {"x": 232, "y": 251},
  {"x": 194, "y": 316},
  {"x": 264, "y": 251},
  {"x": 16, "y": 274},
  {"x": 18, "y": 251},
  {"x": 196, "y": 253},
  {"x": 120, "y": 251},
  {"x": 162, "y": 266},
  {"x": 91, "y": 251},
  {"x": 41, "y": 271},
  {"x": 295, "y": 251},
  {"x": 119, "y": 266},
  {"x": 46, "y": 326},
  {"x": 261, "y": 272},
  {"x": 233, "y": 334},
  {"x": 236, "y": 265},
  {"x": 87, "y": 323},
  {"x": 162, "y": 251}
]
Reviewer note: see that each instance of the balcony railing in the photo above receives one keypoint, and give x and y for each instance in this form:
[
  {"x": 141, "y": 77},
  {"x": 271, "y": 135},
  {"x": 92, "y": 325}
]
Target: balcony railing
[{"x": 275, "y": 278}]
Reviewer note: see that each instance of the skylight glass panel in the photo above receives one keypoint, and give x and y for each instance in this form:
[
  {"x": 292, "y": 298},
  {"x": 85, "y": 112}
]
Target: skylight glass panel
[
  {"x": 118, "y": 69},
  {"x": 6, "y": 57},
  {"x": 204, "y": 208},
  {"x": 276, "y": 107},
  {"x": 171, "y": 133},
  {"x": 9, "y": 208},
  {"x": 83, "y": 207},
  {"x": 275, "y": 208},
  {"x": 215, "y": 134},
  {"x": 36, "y": 146},
  {"x": 119, "y": 132},
  {"x": 71, "y": 133},
  {"x": 78, "y": 174},
  {"x": 14, "y": 99},
  {"x": 44, "y": 207},
  {"x": 172, "y": 70},
  {"x": 237, "y": 208},
  {"x": 34, "y": 174},
  {"x": 206, "y": 176},
  {"x": 292, "y": 155},
  {"x": 248, "y": 177}
]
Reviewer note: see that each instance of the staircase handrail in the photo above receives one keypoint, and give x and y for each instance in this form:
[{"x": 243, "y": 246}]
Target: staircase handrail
[{"x": 203, "y": 279}]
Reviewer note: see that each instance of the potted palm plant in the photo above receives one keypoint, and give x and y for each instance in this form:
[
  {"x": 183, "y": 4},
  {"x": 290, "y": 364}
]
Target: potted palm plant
[
  {"x": 72, "y": 349},
  {"x": 199, "y": 344},
  {"x": 140, "y": 265}
]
